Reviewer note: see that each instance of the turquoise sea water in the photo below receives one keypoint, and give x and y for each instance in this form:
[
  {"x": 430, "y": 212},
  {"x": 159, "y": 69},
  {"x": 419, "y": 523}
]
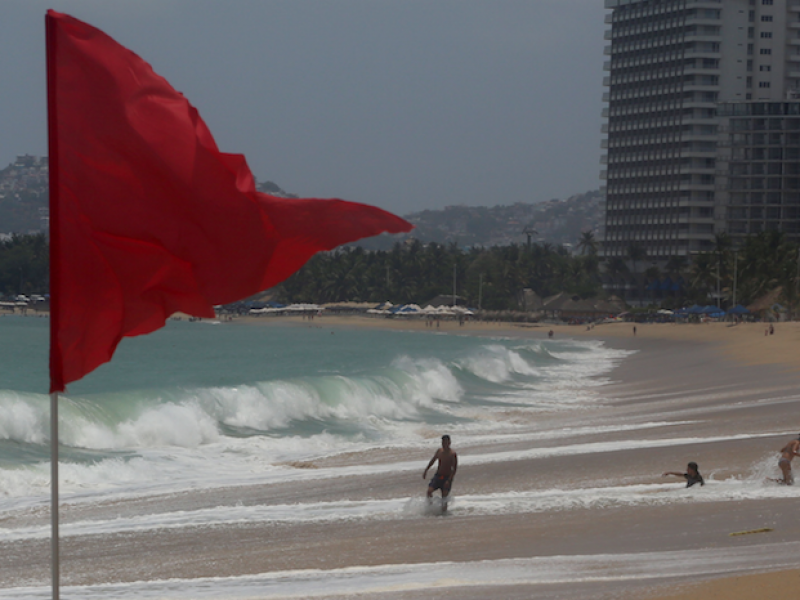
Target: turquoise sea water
[{"x": 226, "y": 402}]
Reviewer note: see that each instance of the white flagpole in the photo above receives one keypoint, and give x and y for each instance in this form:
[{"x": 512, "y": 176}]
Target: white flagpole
[{"x": 54, "y": 492}]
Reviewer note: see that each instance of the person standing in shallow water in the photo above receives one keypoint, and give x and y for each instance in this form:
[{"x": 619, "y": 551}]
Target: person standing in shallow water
[
  {"x": 788, "y": 452},
  {"x": 692, "y": 475},
  {"x": 445, "y": 472}
]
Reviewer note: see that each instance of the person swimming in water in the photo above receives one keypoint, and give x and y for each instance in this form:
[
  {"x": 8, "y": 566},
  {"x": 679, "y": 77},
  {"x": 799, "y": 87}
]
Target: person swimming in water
[
  {"x": 692, "y": 475},
  {"x": 788, "y": 452},
  {"x": 445, "y": 473}
]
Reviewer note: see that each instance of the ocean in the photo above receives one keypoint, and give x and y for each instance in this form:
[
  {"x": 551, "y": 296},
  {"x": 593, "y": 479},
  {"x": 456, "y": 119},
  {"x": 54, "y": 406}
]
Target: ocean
[{"x": 204, "y": 404}]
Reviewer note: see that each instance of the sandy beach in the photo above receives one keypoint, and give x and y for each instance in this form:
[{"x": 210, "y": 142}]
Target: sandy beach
[
  {"x": 729, "y": 392},
  {"x": 678, "y": 357}
]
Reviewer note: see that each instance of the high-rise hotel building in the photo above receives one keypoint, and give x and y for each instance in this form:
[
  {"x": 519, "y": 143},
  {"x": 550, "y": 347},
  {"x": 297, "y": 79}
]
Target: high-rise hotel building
[{"x": 703, "y": 123}]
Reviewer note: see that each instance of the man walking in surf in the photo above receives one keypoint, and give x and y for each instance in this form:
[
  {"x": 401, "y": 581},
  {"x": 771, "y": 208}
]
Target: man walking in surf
[
  {"x": 788, "y": 452},
  {"x": 445, "y": 473}
]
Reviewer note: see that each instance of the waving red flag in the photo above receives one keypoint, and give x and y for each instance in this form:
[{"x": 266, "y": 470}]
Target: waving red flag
[{"x": 147, "y": 216}]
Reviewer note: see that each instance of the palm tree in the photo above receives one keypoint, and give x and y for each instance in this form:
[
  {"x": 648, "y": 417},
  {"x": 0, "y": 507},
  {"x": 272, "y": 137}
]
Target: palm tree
[
  {"x": 676, "y": 265},
  {"x": 587, "y": 244},
  {"x": 637, "y": 253},
  {"x": 617, "y": 269},
  {"x": 702, "y": 275}
]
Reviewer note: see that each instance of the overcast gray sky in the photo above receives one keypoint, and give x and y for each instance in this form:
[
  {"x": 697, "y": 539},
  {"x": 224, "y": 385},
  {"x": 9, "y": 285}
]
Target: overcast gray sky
[{"x": 403, "y": 104}]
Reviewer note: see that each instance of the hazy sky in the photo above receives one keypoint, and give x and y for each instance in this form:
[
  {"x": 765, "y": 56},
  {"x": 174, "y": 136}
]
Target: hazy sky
[{"x": 404, "y": 104}]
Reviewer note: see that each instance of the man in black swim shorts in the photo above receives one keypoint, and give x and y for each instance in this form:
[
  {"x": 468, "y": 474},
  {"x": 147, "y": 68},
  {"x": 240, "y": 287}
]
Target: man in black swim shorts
[{"x": 445, "y": 473}]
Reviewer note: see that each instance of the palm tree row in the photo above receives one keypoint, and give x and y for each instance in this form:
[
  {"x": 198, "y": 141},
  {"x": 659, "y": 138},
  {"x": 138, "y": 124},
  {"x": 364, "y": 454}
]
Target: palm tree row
[
  {"x": 491, "y": 278},
  {"x": 724, "y": 275}
]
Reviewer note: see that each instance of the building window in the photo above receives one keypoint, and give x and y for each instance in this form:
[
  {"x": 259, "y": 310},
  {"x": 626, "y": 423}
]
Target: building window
[
  {"x": 766, "y": 18},
  {"x": 766, "y": 51},
  {"x": 763, "y": 84},
  {"x": 765, "y": 68},
  {"x": 766, "y": 34},
  {"x": 766, "y": 2}
]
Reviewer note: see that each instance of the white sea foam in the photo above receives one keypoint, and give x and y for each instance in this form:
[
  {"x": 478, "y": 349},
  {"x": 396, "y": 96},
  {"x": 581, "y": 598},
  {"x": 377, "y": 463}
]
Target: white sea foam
[
  {"x": 24, "y": 417},
  {"x": 211, "y": 467},
  {"x": 520, "y": 502},
  {"x": 434, "y": 380}
]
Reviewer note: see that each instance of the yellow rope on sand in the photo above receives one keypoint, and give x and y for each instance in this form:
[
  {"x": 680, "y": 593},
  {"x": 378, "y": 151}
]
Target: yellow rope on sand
[{"x": 762, "y": 530}]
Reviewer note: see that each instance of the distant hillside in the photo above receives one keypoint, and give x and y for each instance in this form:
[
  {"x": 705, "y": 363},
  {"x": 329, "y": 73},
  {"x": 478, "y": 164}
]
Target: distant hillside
[
  {"x": 558, "y": 222},
  {"x": 24, "y": 192},
  {"x": 24, "y": 195}
]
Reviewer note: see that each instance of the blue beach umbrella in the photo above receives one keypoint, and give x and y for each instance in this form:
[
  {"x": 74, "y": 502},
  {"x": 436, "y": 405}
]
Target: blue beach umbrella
[
  {"x": 738, "y": 310},
  {"x": 712, "y": 311}
]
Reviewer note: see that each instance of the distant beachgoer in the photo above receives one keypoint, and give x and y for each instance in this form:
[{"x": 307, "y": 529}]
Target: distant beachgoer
[
  {"x": 550, "y": 333},
  {"x": 692, "y": 475},
  {"x": 771, "y": 329},
  {"x": 788, "y": 452},
  {"x": 634, "y": 330},
  {"x": 445, "y": 472}
]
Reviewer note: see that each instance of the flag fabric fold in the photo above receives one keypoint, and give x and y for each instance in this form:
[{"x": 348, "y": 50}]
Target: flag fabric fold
[{"x": 147, "y": 216}]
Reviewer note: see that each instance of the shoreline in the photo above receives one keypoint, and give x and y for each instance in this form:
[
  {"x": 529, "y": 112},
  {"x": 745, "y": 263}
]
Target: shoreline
[{"x": 744, "y": 343}]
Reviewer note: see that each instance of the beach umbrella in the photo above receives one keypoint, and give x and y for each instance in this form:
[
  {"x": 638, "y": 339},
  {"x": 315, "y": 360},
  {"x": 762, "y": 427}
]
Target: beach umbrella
[
  {"x": 695, "y": 310},
  {"x": 303, "y": 308},
  {"x": 409, "y": 309},
  {"x": 738, "y": 310}
]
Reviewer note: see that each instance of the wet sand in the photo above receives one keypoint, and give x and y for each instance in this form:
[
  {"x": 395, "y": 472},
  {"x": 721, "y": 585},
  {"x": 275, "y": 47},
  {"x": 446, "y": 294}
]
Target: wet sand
[{"x": 715, "y": 382}]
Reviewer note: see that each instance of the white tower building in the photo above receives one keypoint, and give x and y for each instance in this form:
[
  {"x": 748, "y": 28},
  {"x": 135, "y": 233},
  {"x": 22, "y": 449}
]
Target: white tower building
[{"x": 703, "y": 107}]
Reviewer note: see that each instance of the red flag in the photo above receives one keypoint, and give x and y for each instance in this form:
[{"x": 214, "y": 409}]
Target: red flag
[{"x": 147, "y": 216}]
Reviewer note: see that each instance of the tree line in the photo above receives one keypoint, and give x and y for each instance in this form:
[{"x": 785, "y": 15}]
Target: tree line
[
  {"x": 489, "y": 278},
  {"x": 24, "y": 265},
  {"x": 493, "y": 278}
]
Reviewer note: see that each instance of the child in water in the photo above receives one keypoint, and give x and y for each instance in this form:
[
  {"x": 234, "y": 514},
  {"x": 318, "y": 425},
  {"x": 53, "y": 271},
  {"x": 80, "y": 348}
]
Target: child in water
[{"x": 692, "y": 475}]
